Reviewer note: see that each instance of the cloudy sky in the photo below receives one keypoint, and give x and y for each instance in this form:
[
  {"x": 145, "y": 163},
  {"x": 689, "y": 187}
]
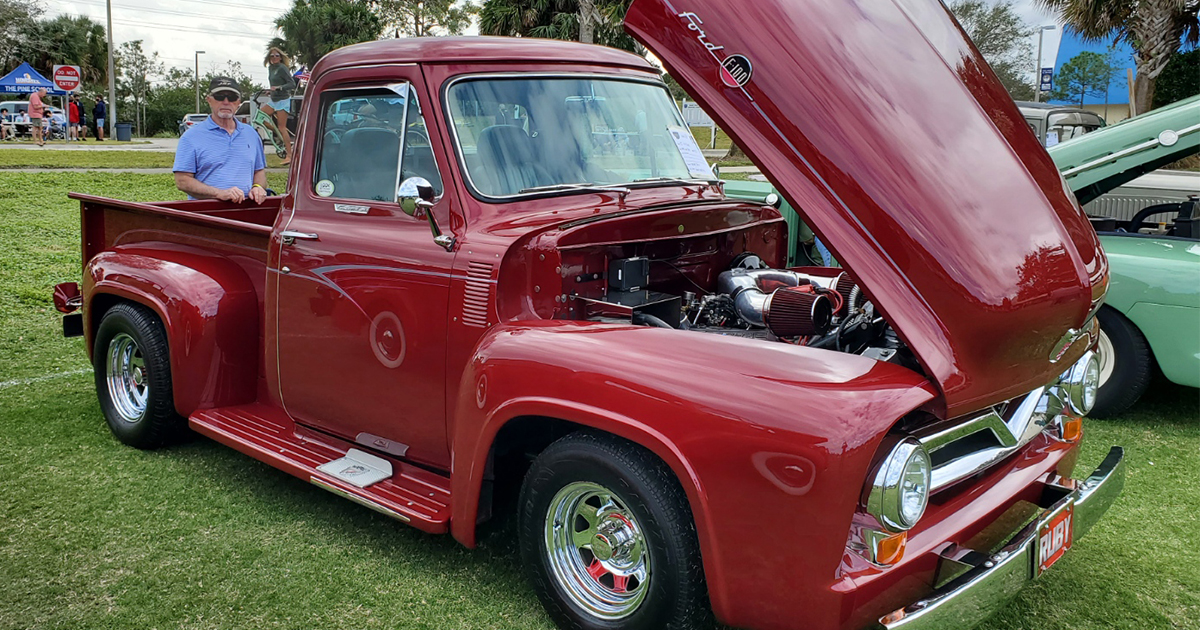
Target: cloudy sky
[{"x": 238, "y": 30}]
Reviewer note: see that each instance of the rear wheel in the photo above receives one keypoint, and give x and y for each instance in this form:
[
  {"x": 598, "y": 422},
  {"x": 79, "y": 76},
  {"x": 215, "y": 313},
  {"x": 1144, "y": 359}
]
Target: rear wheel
[
  {"x": 608, "y": 539},
  {"x": 1125, "y": 364},
  {"x": 133, "y": 377}
]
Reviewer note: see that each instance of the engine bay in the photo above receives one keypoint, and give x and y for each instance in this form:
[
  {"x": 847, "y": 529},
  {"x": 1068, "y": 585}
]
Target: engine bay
[{"x": 818, "y": 307}]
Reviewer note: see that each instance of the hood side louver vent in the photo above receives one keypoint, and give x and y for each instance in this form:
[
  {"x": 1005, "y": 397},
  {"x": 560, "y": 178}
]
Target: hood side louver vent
[{"x": 477, "y": 296}]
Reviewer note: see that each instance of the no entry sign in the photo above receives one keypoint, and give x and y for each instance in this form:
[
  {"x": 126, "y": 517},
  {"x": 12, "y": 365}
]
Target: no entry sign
[{"x": 66, "y": 78}]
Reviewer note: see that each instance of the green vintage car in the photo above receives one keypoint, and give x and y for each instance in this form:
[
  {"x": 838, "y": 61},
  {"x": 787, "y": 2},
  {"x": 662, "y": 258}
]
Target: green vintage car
[
  {"x": 1151, "y": 315},
  {"x": 1151, "y": 235}
]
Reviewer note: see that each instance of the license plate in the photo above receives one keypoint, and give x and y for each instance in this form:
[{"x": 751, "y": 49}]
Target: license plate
[{"x": 1055, "y": 535}]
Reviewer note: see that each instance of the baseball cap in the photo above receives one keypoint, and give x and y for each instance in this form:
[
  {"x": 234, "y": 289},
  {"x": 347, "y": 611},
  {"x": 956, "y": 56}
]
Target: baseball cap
[{"x": 223, "y": 84}]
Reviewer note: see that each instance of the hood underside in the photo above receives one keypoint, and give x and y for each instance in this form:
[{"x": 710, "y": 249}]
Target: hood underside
[{"x": 880, "y": 122}]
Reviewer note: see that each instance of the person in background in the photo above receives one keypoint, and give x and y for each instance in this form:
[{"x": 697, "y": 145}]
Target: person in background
[
  {"x": 83, "y": 120},
  {"x": 98, "y": 113},
  {"x": 73, "y": 118},
  {"x": 7, "y": 131},
  {"x": 221, "y": 158},
  {"x": 279, "y": 74},
  {"x": 37, "y": 108}
]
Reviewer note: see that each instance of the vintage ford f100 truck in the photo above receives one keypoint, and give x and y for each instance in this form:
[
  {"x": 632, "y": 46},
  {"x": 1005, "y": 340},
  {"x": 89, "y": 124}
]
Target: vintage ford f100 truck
[{"x": 503, "y": 270}]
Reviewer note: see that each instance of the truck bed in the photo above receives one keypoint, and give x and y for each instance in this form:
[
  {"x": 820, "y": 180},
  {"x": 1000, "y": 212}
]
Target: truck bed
[{"x": 240, "y": 230}]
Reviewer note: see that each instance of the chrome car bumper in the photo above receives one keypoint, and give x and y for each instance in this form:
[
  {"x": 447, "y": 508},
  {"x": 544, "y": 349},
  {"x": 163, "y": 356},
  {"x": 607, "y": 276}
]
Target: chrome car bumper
[{"x": 985, "y": 588}]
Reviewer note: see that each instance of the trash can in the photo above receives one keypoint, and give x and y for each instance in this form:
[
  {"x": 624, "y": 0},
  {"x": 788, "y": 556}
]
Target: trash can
[{"x": 124, "y": 132}]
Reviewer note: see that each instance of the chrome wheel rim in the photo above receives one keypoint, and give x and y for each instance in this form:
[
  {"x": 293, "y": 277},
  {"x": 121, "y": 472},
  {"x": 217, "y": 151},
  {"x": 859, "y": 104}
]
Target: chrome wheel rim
[
  {"x": 128, "y": 388},
  {"x": 597, "y": 550},
  {"x": 1108, "y": 358}
]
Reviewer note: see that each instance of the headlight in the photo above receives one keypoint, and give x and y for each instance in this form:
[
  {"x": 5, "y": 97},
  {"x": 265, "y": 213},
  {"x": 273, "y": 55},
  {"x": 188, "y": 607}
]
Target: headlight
[
  {"x": 1081, "y": 382},
  {"x": 900, "y": 491}
]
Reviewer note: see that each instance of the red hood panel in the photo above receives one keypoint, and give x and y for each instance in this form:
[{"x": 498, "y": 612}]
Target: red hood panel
[{"x": 881, "y": 123}]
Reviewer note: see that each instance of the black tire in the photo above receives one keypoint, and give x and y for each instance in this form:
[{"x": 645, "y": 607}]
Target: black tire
[
  {"x": 647, "y": 500},
  {"x": 131, "y": 348},
  {"x": 1131, "y": 361}
]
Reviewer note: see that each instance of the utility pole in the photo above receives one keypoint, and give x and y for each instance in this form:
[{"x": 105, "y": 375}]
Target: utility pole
[
  {"x": 1037, "y": 70},
  {"x": 198, "y": 53},
  {"x": 111, "y": 110}
]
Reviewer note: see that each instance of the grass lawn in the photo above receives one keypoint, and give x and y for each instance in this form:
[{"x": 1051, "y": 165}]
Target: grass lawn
[
  {"x": 97, "y": 158},
  {"x": 94, "y": 534}
]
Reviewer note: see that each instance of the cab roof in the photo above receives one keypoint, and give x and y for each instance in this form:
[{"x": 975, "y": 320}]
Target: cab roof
[{"x": 451, "y": 50}]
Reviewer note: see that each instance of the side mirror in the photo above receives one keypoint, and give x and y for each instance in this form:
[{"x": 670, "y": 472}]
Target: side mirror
[{"x": 416, "y": 198}]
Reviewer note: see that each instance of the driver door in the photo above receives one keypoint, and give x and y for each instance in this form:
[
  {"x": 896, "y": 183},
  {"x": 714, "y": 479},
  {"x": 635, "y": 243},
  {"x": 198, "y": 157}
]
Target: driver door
[{"x": 362, "y": 288}]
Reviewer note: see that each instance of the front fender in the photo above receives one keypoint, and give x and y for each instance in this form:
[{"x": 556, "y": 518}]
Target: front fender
[
  {"x": 208, "y": 307},
  {"x": 771, "y": 442}
]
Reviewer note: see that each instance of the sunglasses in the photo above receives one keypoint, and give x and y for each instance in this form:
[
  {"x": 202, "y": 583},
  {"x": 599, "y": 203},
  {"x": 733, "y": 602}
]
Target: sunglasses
[{"x": 228, "y": 97}]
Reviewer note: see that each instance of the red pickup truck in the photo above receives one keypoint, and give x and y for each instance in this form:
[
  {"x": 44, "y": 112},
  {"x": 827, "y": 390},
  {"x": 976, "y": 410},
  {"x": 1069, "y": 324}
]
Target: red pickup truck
[{"x": 502, "y": 269}]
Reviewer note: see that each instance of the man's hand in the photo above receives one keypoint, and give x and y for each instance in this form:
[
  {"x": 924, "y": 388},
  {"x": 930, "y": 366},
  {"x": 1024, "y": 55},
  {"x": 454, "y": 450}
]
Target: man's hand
[
  {"x": 258, "y": 194},
  {"x": 233, "y": 194}
]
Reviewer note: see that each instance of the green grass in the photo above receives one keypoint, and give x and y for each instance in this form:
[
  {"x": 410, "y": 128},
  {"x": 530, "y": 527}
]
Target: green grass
[
  {"x": 97, "y": 535},
  {"x": 94, "y": 158}
]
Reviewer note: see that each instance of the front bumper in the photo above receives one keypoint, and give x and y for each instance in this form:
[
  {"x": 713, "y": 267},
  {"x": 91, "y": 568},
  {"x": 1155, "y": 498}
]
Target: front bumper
[{"x": 987, "y": 587}]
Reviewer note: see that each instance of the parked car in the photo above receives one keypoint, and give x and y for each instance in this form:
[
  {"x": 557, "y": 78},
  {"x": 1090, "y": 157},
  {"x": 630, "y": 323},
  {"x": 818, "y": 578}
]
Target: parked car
[
  {"x": 559, "y": 304},
  {"x": 189, "y": 121},
  {"x": 1053, "y": 124},
  {"x": 1151, "y": 317}
]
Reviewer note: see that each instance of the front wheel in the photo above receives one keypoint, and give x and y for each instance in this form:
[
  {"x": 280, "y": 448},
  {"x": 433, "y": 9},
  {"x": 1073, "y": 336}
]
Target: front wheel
[
  {"x": 133, "y": 377},
  {"x": 1125, "y": 364},
  {"x": 608, "y": 539}
]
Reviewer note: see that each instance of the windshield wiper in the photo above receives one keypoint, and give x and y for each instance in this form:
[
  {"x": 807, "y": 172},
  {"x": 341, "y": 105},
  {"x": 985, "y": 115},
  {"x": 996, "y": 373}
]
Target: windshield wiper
[
  {"x": 585, "y": 187},
  {"x": 676, "y": 180}
]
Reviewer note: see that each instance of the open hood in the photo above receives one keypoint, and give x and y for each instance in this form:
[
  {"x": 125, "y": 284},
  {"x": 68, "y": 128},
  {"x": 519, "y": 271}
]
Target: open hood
[
  {"x": 880, "y": 122},
  {"x": 1104, "y": 159}
]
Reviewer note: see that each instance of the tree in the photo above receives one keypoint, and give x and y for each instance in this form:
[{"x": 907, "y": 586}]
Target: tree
[
  {"x": 135, "y": 71},
  {"x": 313, "y": 28},
  {"x": 423, "y": 18},
  {"x": 559, "y": 19},
  {"x": 1086, "y": 74},
  {"x": 1002, "y": 37},
  {"x": 1179, "y": 80},
  {"x": 1154, "y": 28},
  {"x": 76, "y": 41},
  {"x": 18, "y": 19}
]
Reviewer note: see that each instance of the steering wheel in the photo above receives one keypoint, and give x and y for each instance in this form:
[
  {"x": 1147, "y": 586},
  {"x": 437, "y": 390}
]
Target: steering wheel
[
  {"x": 421, "y": 135},
  {"x": 1135, "y": 224}
]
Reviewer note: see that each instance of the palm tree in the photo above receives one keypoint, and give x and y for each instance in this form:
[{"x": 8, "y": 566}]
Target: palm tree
[
  {"x": 313, "y": 28},
  {"x": 1154, "y": 28},
  {"x": 574, "y": 20}
]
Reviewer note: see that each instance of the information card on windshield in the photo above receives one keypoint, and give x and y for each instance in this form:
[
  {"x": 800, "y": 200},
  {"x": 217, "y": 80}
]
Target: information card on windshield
[{"x": 692, "y": 156}]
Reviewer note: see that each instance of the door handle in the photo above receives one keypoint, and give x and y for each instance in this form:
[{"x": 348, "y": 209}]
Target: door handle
[{"x": 290, "y": 236}]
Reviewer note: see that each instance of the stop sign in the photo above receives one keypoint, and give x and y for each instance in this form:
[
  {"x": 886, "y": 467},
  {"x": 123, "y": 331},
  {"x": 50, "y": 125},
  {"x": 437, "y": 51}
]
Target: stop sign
[{"x": 66, "y": 78}]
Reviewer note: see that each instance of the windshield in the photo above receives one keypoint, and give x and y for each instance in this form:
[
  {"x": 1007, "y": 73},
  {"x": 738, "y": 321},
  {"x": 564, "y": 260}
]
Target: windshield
[{"x": 526, "y": 136}]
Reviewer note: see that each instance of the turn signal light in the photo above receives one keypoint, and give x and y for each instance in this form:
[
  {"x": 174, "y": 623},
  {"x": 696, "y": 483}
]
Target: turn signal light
[
  {"x": 1072, "y": 428},
  {"x": 890, "y": 550}
]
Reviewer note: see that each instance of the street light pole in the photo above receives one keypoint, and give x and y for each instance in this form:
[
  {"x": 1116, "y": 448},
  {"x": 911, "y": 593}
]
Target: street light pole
[
  {"x": 111, "y": 110},
  {"x": 198, "y": 53},
  {"x": 1037, "y": 67}
]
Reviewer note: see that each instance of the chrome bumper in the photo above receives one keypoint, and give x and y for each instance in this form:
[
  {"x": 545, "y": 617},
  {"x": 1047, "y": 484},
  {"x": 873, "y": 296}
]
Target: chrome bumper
[{"x": 984, "y": 589}]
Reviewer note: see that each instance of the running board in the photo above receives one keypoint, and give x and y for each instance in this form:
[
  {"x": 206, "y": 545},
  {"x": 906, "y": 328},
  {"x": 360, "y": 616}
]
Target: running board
[{"x": 411, "y": 495}]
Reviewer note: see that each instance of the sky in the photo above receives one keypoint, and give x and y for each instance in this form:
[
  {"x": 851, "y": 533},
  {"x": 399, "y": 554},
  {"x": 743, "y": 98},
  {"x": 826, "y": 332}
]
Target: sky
[{"x": 238, "y": 30}]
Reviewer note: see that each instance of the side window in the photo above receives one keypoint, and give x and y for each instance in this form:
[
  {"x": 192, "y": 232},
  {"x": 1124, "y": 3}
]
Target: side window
[{"x": 360, "y": 152}]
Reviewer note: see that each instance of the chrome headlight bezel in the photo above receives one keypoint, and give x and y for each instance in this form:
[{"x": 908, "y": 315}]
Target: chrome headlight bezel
[
  {"x": 1081, "y": 382},
  {"x": 903, "y": 475}
]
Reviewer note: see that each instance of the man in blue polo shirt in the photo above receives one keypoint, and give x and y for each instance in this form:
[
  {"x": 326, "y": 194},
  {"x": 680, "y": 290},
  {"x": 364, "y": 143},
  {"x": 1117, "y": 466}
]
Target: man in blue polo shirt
[{"x": 221, "y": 158}]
